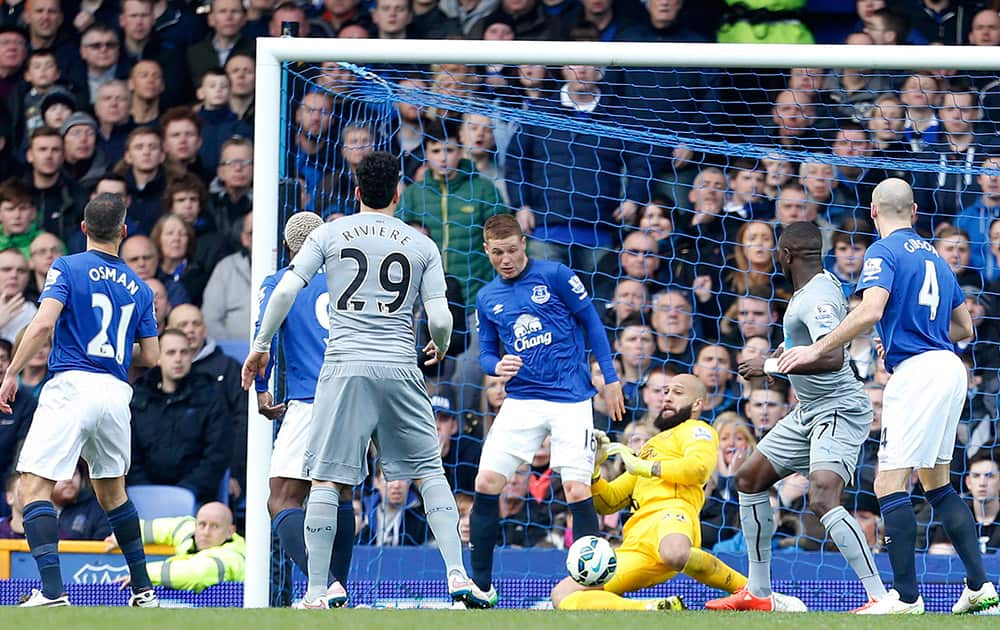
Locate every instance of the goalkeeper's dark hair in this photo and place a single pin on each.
(803, 239)
(104, 217)
(378, 177)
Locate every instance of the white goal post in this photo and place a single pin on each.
(271, 52)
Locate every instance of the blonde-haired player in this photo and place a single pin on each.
(664, 484)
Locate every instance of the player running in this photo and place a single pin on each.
(664, 484)
(909, 291)
(820, 437)
(369, 386)
(303, 338)
(536, 311)
(93, 307)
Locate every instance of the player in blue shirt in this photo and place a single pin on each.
(94, 308)
(531, 322)
(303, 338)
(909, 291)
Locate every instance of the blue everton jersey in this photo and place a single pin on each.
(922, 290)
(532, 316)
(106, 308)
(303, 334)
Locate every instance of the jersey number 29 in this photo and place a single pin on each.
(400, 288)
(929, 295)
(100, 345)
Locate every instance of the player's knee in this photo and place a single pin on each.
(746, 480)
(562, 590)
(489, 482)
(675, 556)
(824, 492)
(576, 491)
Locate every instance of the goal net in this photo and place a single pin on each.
(663, 174)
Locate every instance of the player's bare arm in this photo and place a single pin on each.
(961, 324)
(861, 319)
(148, 352)
(38, 332)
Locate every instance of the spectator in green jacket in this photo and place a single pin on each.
(453, 201)
(207, 549)
(17, 217)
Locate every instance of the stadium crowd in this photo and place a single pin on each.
(154, 100)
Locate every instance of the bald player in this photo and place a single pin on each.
(909, 291)
(820, 438)
(664, 485)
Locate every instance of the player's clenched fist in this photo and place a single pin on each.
(509, 365)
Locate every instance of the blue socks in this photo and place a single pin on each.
(585, 522)
(901, 540)
(959, 524)
(125, 521)
(41, 528)
(290, 526)
(484, 529)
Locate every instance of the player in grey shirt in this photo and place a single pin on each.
(370, 387)
(820, 438)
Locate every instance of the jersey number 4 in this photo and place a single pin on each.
(397, 287)
(929, 295)
(100, 345)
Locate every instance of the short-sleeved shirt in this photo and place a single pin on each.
(376, 268)
(533, 316)
(813, 312)
(106, 308)
(922, 290)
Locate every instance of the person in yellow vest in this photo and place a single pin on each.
(207, 549)
(664, 484)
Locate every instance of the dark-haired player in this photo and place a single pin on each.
(94, 308)
(820, 438)
(532, 317)
(377, 267)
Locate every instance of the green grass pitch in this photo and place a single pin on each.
(285, 619)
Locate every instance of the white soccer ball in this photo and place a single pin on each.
(591, 561)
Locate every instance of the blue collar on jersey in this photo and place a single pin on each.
(104, 254)
(518, 276)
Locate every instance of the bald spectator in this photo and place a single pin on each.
(83, 162)
(147, 87)
(44, 249)
(226, 18)
(139, 253)
(15, 310)
(210, 360)
(227, 296)
(181, 429)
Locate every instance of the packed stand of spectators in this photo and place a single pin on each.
(154, 100)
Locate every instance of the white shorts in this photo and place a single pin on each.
(288, 456)
(521, 426)
(921, 407)
(80, 414)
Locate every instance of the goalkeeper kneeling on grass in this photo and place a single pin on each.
(207, 549)
(664, 484)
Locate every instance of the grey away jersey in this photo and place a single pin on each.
(376, 268)
(814, 311)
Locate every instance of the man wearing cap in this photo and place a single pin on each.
(83, 162)
(459, 450)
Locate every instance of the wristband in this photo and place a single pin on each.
(771, 366)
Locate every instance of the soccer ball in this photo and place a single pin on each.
(591, 561)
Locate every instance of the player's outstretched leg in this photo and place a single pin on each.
(442, 516)
(568, 595)
(320, 530)
(958, 522)
(124, 521)
(41, 528)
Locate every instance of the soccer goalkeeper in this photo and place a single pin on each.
(664, 486)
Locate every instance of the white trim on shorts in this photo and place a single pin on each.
(521, 426)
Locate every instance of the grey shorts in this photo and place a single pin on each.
(358, 402)
(824, 439)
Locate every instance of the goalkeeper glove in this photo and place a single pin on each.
(601, 456)
(633, 463)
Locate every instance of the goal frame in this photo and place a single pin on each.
(273, 51)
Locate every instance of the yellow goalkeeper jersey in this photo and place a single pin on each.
(687, 454)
